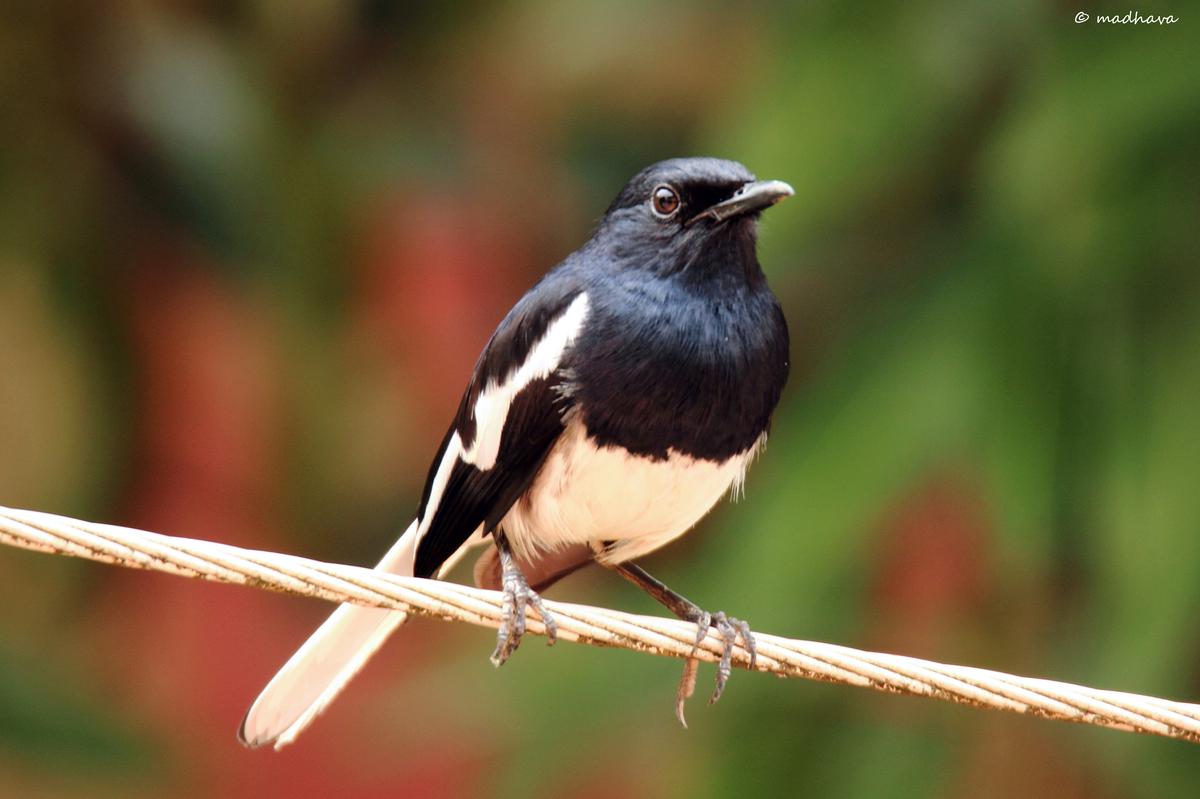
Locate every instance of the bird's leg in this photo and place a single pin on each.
(729, 628)
(517, 596)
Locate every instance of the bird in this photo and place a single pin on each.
(615, 404)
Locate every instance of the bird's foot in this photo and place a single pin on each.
(518, 596)
(729, 629)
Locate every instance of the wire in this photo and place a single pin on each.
(784, 657)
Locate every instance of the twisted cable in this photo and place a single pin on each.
(207, 560)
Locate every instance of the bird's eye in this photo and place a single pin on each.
(664, 200)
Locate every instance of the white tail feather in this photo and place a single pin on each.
(320, 669)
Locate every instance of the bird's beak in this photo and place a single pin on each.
(752, 197)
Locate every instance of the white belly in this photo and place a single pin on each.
(585, 494)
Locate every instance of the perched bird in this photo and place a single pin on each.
(615, 404)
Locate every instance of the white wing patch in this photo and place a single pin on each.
(491, 407)
(438, 486)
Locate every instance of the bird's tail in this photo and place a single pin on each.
(320, 669)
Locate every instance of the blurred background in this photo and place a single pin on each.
(250, 251)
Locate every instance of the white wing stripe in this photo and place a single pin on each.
(491, 408)
(438, 486)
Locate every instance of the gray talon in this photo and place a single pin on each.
(547, 620)
(730, 629)
(517, 597)
(702, 621)
(747, 640)
(725, 666)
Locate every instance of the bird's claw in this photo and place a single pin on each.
(687, 686)
(517, 597)
(703, 620)
(730, 629)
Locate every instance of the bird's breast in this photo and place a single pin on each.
(696, 375)
(622, 504)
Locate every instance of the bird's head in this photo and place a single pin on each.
(692, 215)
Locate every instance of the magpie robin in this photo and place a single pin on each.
(615, 404)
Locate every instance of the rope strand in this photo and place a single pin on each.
(207, 560)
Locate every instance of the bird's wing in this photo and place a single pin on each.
(509, 418)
